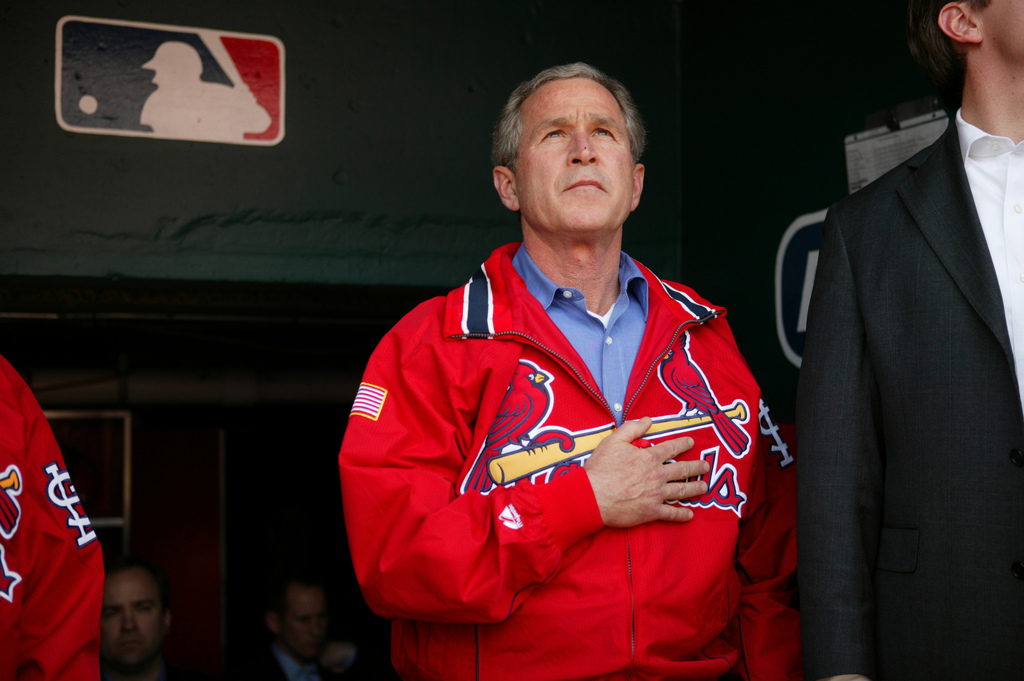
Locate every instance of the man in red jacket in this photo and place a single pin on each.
(564, 469)
(51, 568)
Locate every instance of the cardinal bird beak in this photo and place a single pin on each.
(539, 378)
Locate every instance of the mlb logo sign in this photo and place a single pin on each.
(169, 82)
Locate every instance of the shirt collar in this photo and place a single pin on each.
(162, 677)
(544, 290)
(976, 143)
(290, 667)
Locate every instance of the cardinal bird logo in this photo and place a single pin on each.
(10, 511)
(10, 515)
(686, 381)
(523, 409)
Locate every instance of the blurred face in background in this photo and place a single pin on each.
(301, 631)
(133, 622)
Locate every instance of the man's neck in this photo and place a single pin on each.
(150, 673)
(592, 268)
(994, 102)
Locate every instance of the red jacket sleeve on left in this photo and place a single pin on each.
(51, 567)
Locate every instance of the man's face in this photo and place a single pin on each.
(133, 623)
(302, 631)
(575, 173)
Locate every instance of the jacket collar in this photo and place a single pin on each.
(496, 301)
(938, 197)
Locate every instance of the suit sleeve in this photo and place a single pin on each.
(768, 627)
(838, 433)
(420, 549)
(53, 571)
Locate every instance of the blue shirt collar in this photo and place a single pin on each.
(290, 667)
(544, 290)
(162, 677)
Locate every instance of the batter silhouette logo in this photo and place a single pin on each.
(169, 82)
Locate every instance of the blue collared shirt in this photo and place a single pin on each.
(294, 671)
(608, 352)
(162, 677)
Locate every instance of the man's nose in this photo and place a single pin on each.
(129, 623)
(581, 149)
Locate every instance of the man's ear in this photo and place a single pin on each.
(505, 184)
(959, 21)
(638, 185)
(273, 622)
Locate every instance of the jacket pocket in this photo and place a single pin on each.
(897, 549)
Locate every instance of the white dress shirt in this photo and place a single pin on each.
(995, 172)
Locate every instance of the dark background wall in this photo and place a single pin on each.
(240, 289)
(769, 93)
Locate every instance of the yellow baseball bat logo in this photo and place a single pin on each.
(520, 464)
(12, 481)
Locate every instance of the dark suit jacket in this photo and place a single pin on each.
(909, 427)
(263, 666)
(179, 674)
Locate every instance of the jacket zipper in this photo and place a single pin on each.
(629, 554)
(601, 398)
(650, 369)
(632, 610)
(596, 393)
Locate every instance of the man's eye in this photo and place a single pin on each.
(555, 133)
(602, 131)
(108, 612)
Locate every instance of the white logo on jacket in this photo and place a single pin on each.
(510, 518)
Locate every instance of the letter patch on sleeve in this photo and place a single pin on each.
(62, 494)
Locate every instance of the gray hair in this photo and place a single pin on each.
(508, 131)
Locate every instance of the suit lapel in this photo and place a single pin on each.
(939, 199)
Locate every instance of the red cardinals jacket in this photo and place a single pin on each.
(473, 524)
(51, 568)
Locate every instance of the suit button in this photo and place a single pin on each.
(1017, 457)
(1018, 570)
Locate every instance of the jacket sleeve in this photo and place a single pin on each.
(50, 615)
(768, 628)
(420, 549)
(838, 427)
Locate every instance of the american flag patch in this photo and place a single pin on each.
(369, 401)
